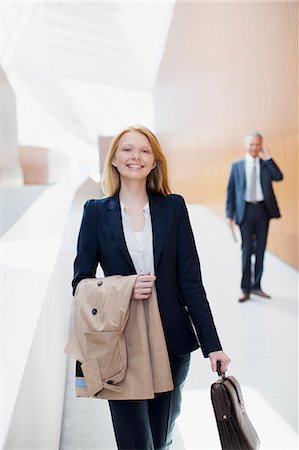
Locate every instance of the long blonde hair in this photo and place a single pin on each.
(157, 180)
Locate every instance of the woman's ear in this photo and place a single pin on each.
(154, 165)
(113, 162)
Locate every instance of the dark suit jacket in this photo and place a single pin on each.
(235, 198)
(183, 305)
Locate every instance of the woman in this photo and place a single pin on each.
(142, 228)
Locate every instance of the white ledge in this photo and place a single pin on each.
(29, 251)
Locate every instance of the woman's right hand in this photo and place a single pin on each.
(143, 287)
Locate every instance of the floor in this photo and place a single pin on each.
(260, 336)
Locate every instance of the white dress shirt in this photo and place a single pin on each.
(139, 243)
(249, 161)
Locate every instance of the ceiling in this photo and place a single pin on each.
(88, 66)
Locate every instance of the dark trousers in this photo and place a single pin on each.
(254, 231)
(148, 424)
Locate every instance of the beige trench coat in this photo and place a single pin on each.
(119, 341)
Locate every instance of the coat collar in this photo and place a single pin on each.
(243, 164)
(243, 174)
(113, 203)
(115, 224)
(158, 224)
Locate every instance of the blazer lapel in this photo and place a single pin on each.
(262, 178)
(262, 166)
(158, 225)
(242, 175)
(115, 224)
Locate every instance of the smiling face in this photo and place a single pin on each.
(134, 158)
(254, 145)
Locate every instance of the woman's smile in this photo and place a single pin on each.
(135, 166)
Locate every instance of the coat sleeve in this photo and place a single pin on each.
(230, 195)
(86, 262)
(190, 283)
(274, 170)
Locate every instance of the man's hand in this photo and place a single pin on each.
(219, 356)
(265, 152)
(231, 224)
(143, 287)
(230, 221)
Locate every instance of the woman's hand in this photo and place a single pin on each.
(219, 356)
(143, 287)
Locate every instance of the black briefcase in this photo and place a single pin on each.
(235, 429)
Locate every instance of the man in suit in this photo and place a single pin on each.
(251, 203)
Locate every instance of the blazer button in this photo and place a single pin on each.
(110, 382)
(99, 283)
(94, 311)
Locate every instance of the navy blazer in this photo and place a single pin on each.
(184, 309)
(236, 189)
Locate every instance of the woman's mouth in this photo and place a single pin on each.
(135, 166)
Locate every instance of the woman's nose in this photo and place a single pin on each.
(136, 155)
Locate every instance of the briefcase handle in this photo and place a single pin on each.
(228, 379)
(220, 374)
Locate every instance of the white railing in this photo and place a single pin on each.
(36, 269)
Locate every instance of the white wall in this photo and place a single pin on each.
(38, 254)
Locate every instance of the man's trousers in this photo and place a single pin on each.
(254, 231)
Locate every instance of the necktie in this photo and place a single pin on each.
(253, 183)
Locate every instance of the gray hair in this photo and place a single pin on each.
(251, 134)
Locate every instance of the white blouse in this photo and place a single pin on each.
(139, 243)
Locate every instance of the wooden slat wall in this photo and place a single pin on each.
(229, 68)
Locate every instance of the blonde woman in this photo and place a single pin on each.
(141, 228)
